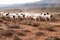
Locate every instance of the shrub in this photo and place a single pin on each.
(26, 31)
(40, 28)
(17, 38)
(20, 34)
(1, 31)
(26, 22)
(39, 34)
(14, 26)
(52, 38)
(6, 22)
(49, 28)
(1, 20)
(35, 24)
(8, 33)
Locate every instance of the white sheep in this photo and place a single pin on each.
(12, 14)
(20, 15)
(46, 16)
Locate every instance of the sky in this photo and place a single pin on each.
(17, 1)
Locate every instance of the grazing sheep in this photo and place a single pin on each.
(37, 16)
(7, 14)
(32, 16)
(4, 14)
(13, 16)
(21, 16)
(47, 16)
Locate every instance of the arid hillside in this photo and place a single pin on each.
(48, 9)
(33, 9)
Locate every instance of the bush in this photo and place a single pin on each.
(14, 26)
(49, 28)
(20, 34)
(26, 31)
(1, 31)
(6, 22)
(26, 22)
(40, 28)
(17, 38)
(52, 38)
(39, 34)
(35, 24)
(8, 33)
(1, 20)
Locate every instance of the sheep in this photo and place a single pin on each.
(15, 16)
(12, 16)
(28, 15)
(35, 16)
(32, 16)
(20, 16)
(46, 16)
(4, 14)
(7, 14)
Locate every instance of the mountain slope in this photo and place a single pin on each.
(43, 3)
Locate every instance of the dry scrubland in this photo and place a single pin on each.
(33, 9)
(29, 29)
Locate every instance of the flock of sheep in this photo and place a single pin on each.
(27, 15)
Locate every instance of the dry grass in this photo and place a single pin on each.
(16, 38)
(1, 20)
(26, 22)
(1, 31)
(52, 38)
(49, 28)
